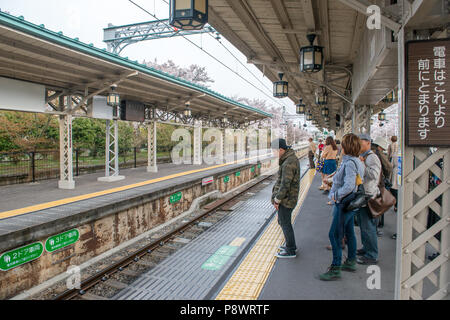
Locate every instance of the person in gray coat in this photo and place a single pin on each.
(368, 255)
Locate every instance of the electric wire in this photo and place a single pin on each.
(209, 54)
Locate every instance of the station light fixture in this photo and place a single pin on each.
(113, 98)
(321, 96)
(301, 107)
(391, 97)
(309, 117)
(187, 111)
(281, 88)
(311, 57)
(225, 120)
(325, 112)
(382, 116)
(188, 14)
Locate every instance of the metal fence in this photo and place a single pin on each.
(33, 166)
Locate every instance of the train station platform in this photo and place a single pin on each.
(261, 276)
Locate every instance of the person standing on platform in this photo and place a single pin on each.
(311, 153)
(285, 194)
(330, 164)
(368, 225)
(345, 182)
(321, 146)
(393, 158)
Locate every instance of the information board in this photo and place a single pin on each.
(427, 93)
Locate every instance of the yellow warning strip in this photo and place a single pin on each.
(249, 279)
(52, 204)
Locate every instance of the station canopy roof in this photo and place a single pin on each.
(270, 34)
(33, 53)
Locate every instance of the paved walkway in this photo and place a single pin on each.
(297, 279)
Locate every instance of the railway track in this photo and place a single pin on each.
(131, 263)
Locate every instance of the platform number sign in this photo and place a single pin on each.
(259, 165)
(226, 179)
(62, 240)
(176, 197)
(17, 257)
(252, 170)
(238, 174)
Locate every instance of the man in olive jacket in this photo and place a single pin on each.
(285, 194)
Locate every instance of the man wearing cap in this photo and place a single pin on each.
(369, 252)
(285, 194)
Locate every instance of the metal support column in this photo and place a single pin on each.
(66, 150)
(152, 148)
(112, 153)
(198, 143)
(354, 119)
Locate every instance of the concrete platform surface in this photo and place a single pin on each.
(297, 279)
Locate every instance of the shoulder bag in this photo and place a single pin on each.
(383, 202)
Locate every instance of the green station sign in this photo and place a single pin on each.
(176, 197)
(226, 179)
(252, 170)
(238, 174)
(62, 240)
(20, 256)
(259, 165)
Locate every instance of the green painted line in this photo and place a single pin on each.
(219, 259)
(62, 240)
(17, 257)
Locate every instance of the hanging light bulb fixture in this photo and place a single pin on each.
(325, 112)
(188, 14)
(321, 96)
(301, 107)
(311, 57)
(187, 111)
(309, 116)
(280, 88)
(113, 98)
(382, 117)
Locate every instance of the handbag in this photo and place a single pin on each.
(383, 202)
(319, 165)
(355, 200)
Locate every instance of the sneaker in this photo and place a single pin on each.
(366, 261)
(360, 252)
(394, 237)
(349, 266)
(333, 273)
(380, 233)
(285, 255)
(283, 248)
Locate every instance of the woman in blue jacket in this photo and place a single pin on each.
(344, 183)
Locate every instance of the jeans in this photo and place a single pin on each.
(369, 238)
(285, 222)
(312, 165)
(336, 236)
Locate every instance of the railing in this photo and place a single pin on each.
(33, 166)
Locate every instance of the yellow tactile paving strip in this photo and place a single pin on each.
(249, 279)
(43, 206)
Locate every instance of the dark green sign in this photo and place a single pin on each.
(176, 197)
(62, 240)
(226, 179)
(259, 165)
(253, 170)
(238, 174)
(20, 256)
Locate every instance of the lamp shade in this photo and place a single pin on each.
(281, 88)
(188, 14)
(311, 57)
(382, 116)
(301, 107)
(113, 99)
(321, 96)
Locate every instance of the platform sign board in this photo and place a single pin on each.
(238, 174)
(176, 197)
(22, 96)
(21, 256)
(99, 109)
(226, 179)
(62, 240)
(207, 181)
(132, 111)
(428, 93)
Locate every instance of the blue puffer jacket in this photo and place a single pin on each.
(344, 182)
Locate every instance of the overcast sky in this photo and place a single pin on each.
(86, 19)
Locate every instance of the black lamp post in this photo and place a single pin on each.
(281, 88)
(311, 57)
(188, 14)
(301, 107)
(321, 96)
